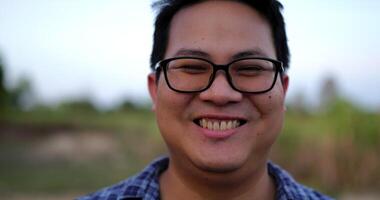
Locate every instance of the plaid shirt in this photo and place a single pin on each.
(145, 186)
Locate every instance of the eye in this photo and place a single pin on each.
(249, 70)
(192, 68)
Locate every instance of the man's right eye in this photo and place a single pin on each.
(192, 69)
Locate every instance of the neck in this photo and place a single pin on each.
(182, 183)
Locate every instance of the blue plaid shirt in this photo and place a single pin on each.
(145, 186)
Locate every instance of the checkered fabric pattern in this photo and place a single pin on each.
(145, 186)
(289, 189)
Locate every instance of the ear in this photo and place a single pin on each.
(285, 84)
(152, 86)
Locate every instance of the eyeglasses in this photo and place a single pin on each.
(246, 75)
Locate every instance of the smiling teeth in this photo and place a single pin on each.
(219, 125)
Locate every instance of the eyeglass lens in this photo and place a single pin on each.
(247, 75)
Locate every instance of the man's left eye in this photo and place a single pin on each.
(252, 69)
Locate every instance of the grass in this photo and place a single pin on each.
(335, 150)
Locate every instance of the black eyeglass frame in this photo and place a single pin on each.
(164, 63)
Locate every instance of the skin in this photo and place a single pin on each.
(233, 167)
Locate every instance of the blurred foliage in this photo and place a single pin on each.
(334, 148)
(73, 149)
(76, 148)
(3, 91)
(18, 97)
(77, 105)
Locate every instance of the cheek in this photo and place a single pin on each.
(170, 104)
(271, 108)
(171, 99)
(269, 103)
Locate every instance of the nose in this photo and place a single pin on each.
(220, 91)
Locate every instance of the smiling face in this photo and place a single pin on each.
(220, 129)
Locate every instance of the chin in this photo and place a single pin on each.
(219, 166)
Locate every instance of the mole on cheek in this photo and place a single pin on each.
(270, 97)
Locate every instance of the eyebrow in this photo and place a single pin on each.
(202, 54)
(192, 52)
(249, 53)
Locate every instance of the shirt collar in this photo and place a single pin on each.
(146, 184)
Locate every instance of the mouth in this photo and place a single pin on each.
(219, 124)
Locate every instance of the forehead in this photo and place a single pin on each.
(219, 27)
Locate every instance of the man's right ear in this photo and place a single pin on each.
(152, 86)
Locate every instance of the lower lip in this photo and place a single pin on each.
(217, 134)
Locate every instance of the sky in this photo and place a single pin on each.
(100, 49)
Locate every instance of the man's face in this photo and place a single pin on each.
(219, 31)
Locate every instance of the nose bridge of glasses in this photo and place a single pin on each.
(221, 67)
(224, 68)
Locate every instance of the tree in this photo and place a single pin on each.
(21, 96)
(4, 94)
(329, 93)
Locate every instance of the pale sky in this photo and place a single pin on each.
(101, 48)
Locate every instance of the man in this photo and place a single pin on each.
(218, 91)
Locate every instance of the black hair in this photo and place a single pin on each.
(269, 9)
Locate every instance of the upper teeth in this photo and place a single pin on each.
(219, 125)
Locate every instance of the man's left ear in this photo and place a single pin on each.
(152, 86)
(285, 83)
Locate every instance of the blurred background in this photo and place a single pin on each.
(74, 107)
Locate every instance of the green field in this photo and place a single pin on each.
(73, 151)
